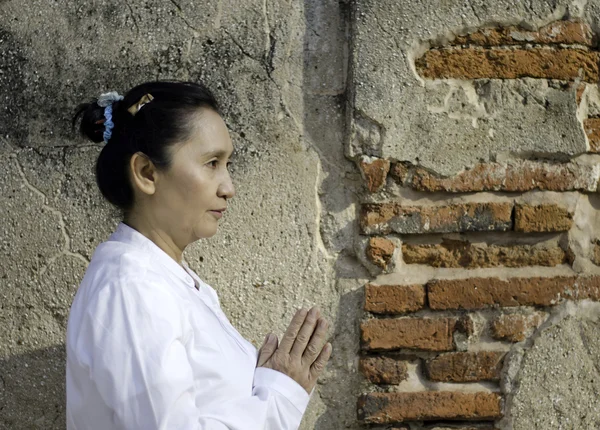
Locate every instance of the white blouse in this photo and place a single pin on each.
(147, 350)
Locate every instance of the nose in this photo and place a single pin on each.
(226, 188)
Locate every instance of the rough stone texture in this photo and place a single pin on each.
(394, 217)
(380, 251)
(478, 63)
(468, 121)
(515, 327)
(456, 253)
(430, 334)
(560, 32)
(394, 299)
(465, 366)
(385, 408)
(560, 378)
(383, 370)
(38, 282)
(374, 172)
(542, 218)
(479, 293)
(516, 176)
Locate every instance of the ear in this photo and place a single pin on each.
(143, 173)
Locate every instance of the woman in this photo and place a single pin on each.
(148, 346)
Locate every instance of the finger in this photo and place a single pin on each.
(305, 332)
(315, 345)
(267, 350)
(292, 331)
(321, 361)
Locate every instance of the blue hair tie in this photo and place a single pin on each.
(106, 101)
(108, 124)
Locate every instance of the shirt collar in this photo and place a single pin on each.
(126, 234)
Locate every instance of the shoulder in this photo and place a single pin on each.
(121, 277)
(124, 298)
(117, 264)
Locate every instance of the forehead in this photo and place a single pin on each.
(209, 134)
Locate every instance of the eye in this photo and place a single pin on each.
(213, 163)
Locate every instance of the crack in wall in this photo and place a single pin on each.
(513, 363)
(133, 18)
(67, 246)
(266, 24)
(242, 49)
(181, 15)
(472, 6)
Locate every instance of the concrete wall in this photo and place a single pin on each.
(443, 153)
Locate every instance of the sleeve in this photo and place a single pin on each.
(143, 374)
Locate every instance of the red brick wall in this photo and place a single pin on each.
(425, 331)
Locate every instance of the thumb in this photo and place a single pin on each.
(268, 348)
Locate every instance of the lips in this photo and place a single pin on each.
(217, 212)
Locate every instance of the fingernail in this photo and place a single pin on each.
(267, 338)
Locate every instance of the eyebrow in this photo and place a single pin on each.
(217, 153)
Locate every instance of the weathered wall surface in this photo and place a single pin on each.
(474, 125)
(431, 171)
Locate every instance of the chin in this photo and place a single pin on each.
(205, 233)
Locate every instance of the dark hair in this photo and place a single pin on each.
(159, 124)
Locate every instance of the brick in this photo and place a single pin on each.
(518, 176)
(394, 299)
(542, 218)
(465, 366)
(559, 32)
(374, 171)
(380, 251)
(480, 293)
(592, 130)
(514, 327)
(456, 253)
(429, 334)
(482, 63)
(400, 172)
(383, 370)
(596, 254)
(384, 218)
(387, 408)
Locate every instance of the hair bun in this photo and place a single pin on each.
(92, 121)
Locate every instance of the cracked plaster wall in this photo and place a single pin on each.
(278, 246)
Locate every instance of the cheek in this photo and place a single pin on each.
(193, 187)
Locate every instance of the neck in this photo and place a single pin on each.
(157, 234)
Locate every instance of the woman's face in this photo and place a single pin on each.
(194, 191)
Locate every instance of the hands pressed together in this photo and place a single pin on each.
(303, 352)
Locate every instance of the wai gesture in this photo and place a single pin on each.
(302, 353)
